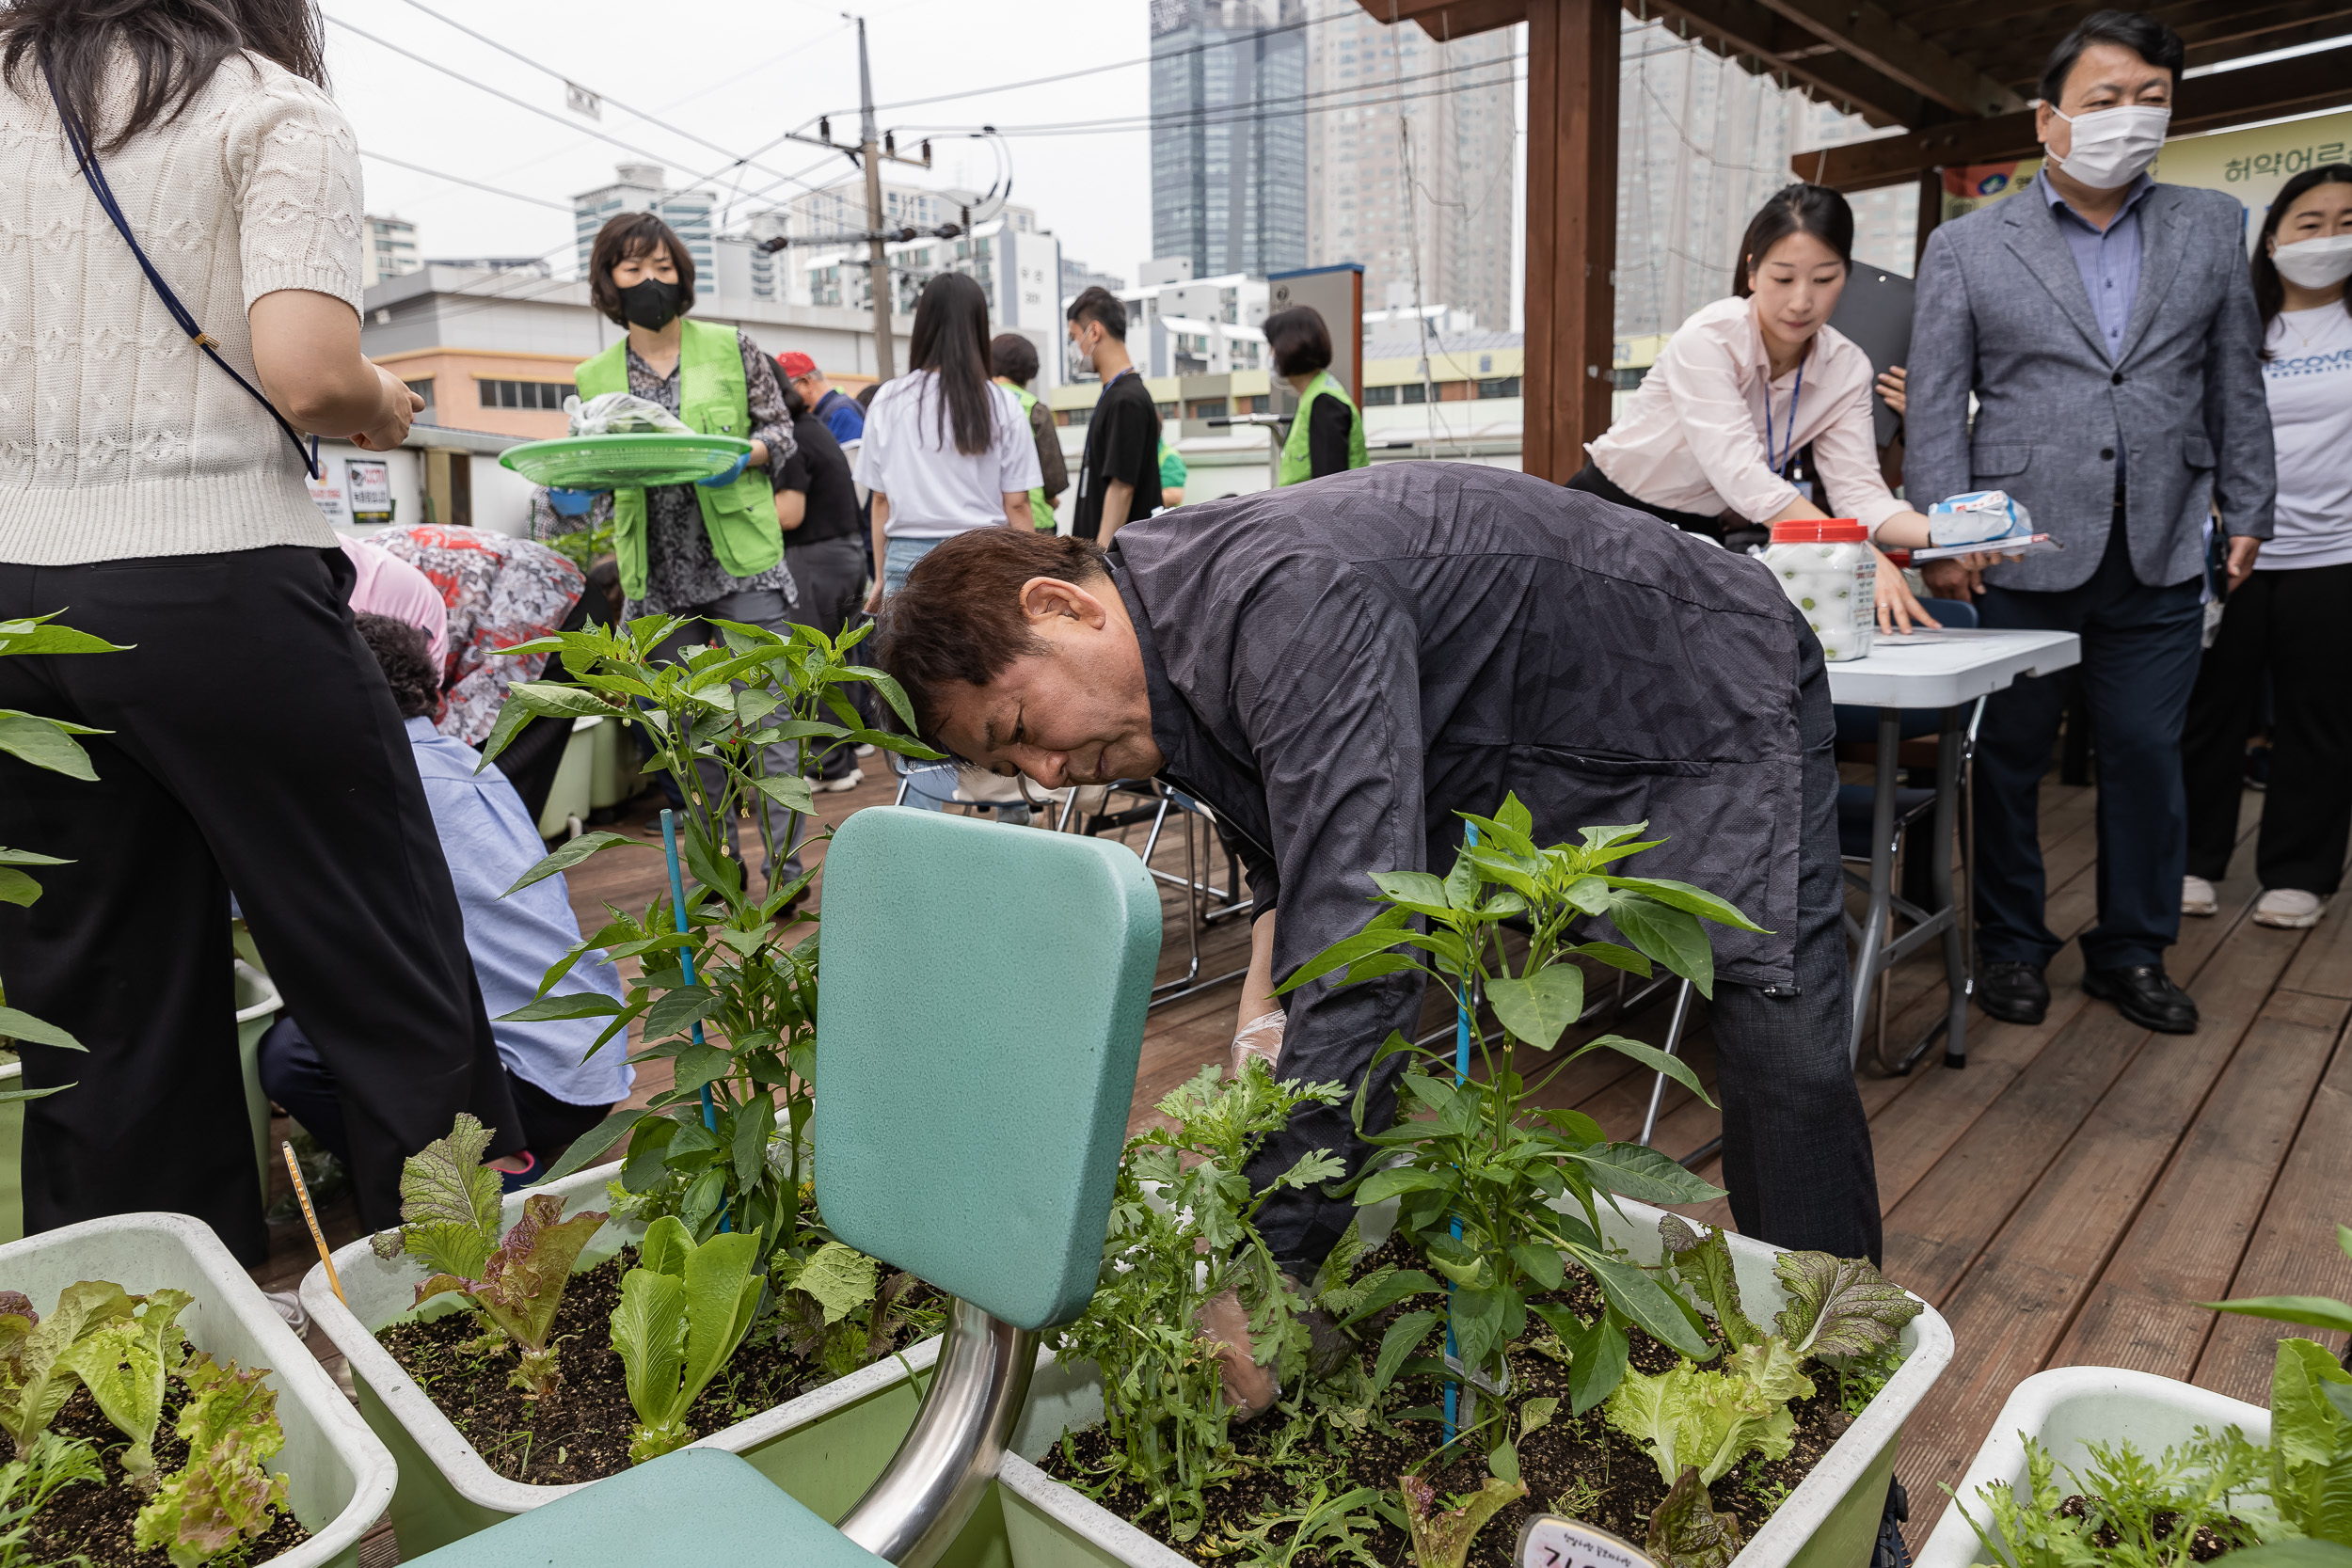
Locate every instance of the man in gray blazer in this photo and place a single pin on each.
(2108, 329)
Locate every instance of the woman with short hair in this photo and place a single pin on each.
(151, 492)
(708, 551)
(1327, 435)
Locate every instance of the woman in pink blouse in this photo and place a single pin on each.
(1750, 382)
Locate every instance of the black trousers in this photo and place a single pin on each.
(2140, 650)
(1590, 480)
(293, 1075)
(252, 743)
(2283, 623)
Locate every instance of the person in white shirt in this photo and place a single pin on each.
(945, 450)
(1750, 382)
(2283, 618)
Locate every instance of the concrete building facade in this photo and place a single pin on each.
(391, 249)
(644, 189)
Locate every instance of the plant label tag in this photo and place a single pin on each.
(1549, 1541)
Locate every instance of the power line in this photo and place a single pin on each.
(737, 159)
(461, 180)
(1236, 41)
(523, 103)
(1260, 111)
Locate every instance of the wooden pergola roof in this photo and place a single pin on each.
(1959, 75)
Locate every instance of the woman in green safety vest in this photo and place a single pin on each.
(706, 552)
(1327, 435)
(1012, 365)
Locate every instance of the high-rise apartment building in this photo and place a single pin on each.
(1701, 144)
(391, 249)
(1409, 156)
(642, 188)
(1228, 144)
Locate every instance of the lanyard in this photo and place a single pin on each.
(1788, 450)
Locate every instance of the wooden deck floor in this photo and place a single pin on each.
(2065, 1199)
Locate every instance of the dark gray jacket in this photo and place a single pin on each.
(1337, 668)
(2002, 313)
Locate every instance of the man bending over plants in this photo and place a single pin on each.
(1338, 667)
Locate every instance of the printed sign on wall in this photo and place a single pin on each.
(369, 481)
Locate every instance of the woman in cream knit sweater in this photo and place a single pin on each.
(248, 738)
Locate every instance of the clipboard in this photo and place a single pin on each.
(1875, 312)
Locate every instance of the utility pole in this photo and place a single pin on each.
(877, 269)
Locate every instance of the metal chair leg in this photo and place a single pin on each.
(1674, 1038)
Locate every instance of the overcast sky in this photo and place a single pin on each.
(738, 72)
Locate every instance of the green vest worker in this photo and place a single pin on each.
(1172, 476)
(706, 552)
(1327, 435)
(1013, 363)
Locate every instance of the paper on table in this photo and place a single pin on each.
(2035, 543)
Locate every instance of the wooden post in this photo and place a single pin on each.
(1571, 230)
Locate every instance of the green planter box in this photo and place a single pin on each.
(2068, 1408)
(1830, 1521)
(338, 1476)
(257, 1005)
(825, 1448)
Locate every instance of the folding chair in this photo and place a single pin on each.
(988, 1173)
(1205, 903)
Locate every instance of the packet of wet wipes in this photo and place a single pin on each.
(622, 414)
(1975, 517)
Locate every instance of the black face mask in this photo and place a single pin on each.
(652, 304)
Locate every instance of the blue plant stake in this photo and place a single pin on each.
(1461, 1071)
(686, 960)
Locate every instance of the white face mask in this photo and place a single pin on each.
(2114, 147)
(2315, 263)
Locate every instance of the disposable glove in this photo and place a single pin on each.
(571, 503)
(1261, 1036)
(718, 481)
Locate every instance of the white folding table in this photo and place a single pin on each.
(1949, 669)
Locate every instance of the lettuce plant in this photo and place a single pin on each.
(1477, 1152)
(755, 991)
(36, 1376)
(27, 1485)
(1685, 1532)
(1441, 1536)
(123, 1362)
(1706, 1417)
(1182, 1231)
(683, 1310)
(224, 1493)
(450, 1212)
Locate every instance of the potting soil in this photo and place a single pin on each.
(582, 1430)
(95, 1521)
(2206, 1544)
(1580, 1467)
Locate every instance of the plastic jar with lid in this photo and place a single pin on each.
(1828, 572)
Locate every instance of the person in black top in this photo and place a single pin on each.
(816, 507)
(1119, 477)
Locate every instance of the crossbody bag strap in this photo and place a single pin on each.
(78, 139)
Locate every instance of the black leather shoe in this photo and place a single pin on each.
(2146, 995)
(2014, 993)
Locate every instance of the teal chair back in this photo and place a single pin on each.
(979, 1017)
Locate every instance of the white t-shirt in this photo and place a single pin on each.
(2309, 382)
(909, 454)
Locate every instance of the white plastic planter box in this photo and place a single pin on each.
(1829, 1521)
(337, 1476)
(257, 1007)
(2068, 1408)
(825, 1448)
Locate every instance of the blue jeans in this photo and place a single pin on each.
(930, 786)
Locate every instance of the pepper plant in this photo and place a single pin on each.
(726, 1146)
(1479, 1155)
